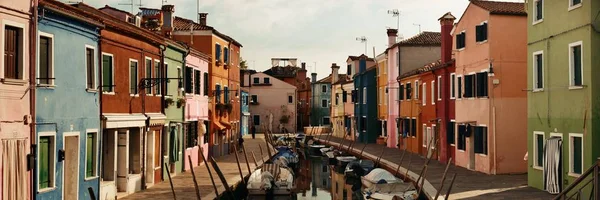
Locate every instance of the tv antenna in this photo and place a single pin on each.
(395, 13)
(132, 5)
(419, 25)
(363, 39)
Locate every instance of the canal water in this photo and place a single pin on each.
(314, 180)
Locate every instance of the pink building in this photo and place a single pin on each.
(403, 57)
(491, 68)
(197, 106)
(15, 97)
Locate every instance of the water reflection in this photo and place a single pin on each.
(314, 179)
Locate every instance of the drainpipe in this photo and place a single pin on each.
(100, 92)
(184, 147)
(32, 80)
(162, 106)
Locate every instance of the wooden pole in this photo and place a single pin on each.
(381, 155)
(222, 177)
(422, 181)
(450, 187)
(194, 178)
(246, 157)
(400, 164)
(209, 172)
(437, 194)
(408, 167)
(237, 160)
(362, 150)
(254, 158)
(170, 181)
(262, 156)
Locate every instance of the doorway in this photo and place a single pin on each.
(122, 141)
(553, 165)
(150, 158)
(71, 166)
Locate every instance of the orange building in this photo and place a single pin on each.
(410, 110)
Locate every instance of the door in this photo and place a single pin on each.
(553, 165)
(122, 160)
(71, 167)
(150, 158)
(157, 156)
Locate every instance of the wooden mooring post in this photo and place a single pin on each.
(170, 181)
(262, 156)
(437, 194)
(194, 177)
(450, 187)
(254, 158)
(246, 157)
(237, 160)
(222, 177)
(212, 180)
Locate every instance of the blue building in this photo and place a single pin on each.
(67, 104)
(365, 106)
(245, 113)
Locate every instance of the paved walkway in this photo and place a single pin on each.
(468, 184)
(184, 184)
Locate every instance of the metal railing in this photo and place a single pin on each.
(576, 189)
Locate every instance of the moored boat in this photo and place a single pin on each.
(271, 180)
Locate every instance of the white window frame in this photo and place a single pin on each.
(323, 120)
(462, 85)
(288, 98)
(54, 158)
(156, 75)
(326, 103)
(181, 73)
(53, 69)
(146, 59)
(424, 91)
(364, 95)
(439, 88)
(536, 21)
(535, 88)
(129, 77)
(24, 49)
(112, 61)
(571, 69)
(416, 95)
(465, 32)
(432, 136)
(452, 85)
(573, 7)
(432, 92)
(94, 73)
(424, 139)
(96, 152)
(571, 136)
(323, 86)
(535, 147)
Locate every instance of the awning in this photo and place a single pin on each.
(115, 120)
(226, 124)
(156, 118)
(246, 113)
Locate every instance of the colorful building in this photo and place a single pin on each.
(491, 73)
(341, 111)
(132, 115)
(365, 108)
(561, 117)
(67, 68)
(245, 98)
(321, 101)
(17, 97)
(410, 101)
(403, 57)
(382, 99)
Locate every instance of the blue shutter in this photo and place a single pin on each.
(225, 55)
(218, 51)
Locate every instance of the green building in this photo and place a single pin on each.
(563, 41)
(321, 101)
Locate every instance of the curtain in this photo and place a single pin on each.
(552, 165)
(14, 171)
(174, 145)
(293, 62)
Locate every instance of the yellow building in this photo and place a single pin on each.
(382, 99)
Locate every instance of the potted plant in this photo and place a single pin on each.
(220, 107)
(169, 102)
(219, 63)
(229, 108)
(180, 102)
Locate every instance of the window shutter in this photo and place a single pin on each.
(188, 80)
(577, 65)
(44, 162)
(401, 92)
(484, 33)
(478, 33)
(225, 55)
(205, 84)
(539, 71)
(196, 82)
(89, 170)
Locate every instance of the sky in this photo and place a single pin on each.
(318, 32)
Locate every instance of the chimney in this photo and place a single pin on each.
(447, 23)
(301, 74)
(304, 66)
(362, 63)
(202, 18)
(167, 14)
(334, 72)
(392, 35)
(313, 77)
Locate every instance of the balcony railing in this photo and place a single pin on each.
(576, 189)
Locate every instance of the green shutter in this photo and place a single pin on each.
(89, 162)
(577, 65)
(539, 150)
(577, 150)
(44, 162)
(107, 81)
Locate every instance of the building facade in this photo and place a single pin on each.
(560, 82)
(271, 112)
(245, 112)
(382, 99)
(410, 101)
(491, 66)
(342, 111)
(180, 84)
(365, 107)
(321, 101)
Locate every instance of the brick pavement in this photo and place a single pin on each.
(468, 184)
(184, 184)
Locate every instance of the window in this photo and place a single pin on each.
(439, 88)
(459, 88)
(432, 92)
(158, 74)
(337, 99)
(462, 132)
(225, 55)
(469, 85)
(354, 97)
(460, 40)
(256, 120)
(538, 70)
(344, 96)
(538, 11)
(401, 92)
(217, 52)
(266, 80)
(363, 122)
(408, 91)
(255, 80)
(482, 84)
(575, 64)
(218, 93)
(205, 83)
(324, 88)
(148, 73)
(13, 52)
(226, 94)
(481, 32)
(180, 78)
(90, 68)
(450, 132)
(538, 149)
(413, 129)
(108, 80)
(206, 132)
(324, 103)
(189, 80)
(192, 134)
(290, 99)
(166, 76)
(452, 85)
(254, 99)
(575, 153)
(46, 160)
(196, 82)
(133, 77)
(574, 4)
(349, 70)
(385, 97)
(426, 131)
(326, 121)
(424, 92)
(416, 89)
(480, 138)
(364, 95)
(46, 59)
(91, 155)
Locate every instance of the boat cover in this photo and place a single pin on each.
(263, 178)
(379, 176)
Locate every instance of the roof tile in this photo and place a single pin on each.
(504, 8)
(425, 38)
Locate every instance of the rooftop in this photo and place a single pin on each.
(425, 38)
(503, 8)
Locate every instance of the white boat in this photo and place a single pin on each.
(382, 181)
(408, 195)
(270, 177)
